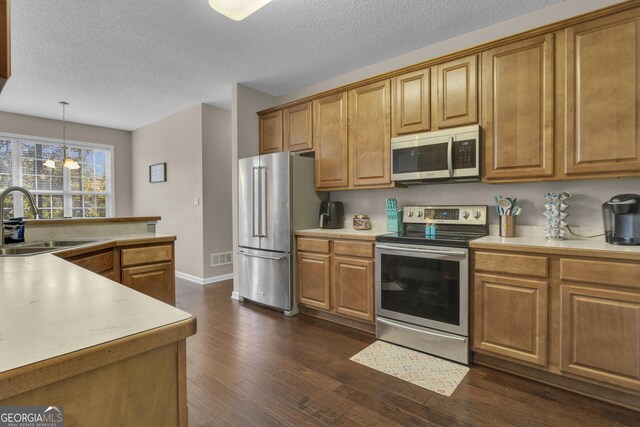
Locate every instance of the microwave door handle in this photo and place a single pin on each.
(450, 157)
(255, 220)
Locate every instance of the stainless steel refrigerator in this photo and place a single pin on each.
(276, 195)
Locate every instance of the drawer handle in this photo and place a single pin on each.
(399, 325)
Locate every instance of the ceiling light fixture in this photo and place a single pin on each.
(68, 163)
(237, 9)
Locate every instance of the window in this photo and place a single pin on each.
(59, 192)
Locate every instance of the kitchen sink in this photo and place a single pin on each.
(57, 243)
(33, 248)
(15, 251)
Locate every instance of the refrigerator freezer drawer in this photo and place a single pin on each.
(265, 277)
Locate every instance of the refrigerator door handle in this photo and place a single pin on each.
(261, 256)
(263, 201)
(255, 212)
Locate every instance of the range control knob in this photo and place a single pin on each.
(419, 214)
(410, 213)
(475, 214)
(465, 214)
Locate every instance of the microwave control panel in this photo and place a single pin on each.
(464, 154)
(468, 215)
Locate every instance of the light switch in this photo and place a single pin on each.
(196, 201)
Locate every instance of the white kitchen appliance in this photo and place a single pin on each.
(276, 195)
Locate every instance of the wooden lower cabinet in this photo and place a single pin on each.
(575, 324)
(148, 268)
(314, 286)
(353, 279)
(336, 277)
(511, 317)
(155, 280)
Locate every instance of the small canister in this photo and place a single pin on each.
(361, 222)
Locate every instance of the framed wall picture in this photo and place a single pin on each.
(158, 172)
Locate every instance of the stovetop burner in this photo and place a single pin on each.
(456, 226)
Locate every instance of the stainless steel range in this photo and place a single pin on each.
(422, 284)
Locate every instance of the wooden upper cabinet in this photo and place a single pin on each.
(5, 42)
(330, 139)
(458, 92)
(271, 132)
(298, 127)
(370, 134)
(518, 109)
(411, 110)
(603, 96)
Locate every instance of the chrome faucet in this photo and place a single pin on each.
(23, 190)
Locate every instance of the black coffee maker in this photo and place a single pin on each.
(621, 218)
(331, 215)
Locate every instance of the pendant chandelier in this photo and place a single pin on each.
(68, 163)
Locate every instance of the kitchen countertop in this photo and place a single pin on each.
(50, 307)
(58, 221)
(343, 233)
(594, 247)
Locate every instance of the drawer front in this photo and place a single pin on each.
(146, 255)
(524, 265)
(313, 245)
(600, 272)
(362, 249)
(97, 263)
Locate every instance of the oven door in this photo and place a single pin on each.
(423, 285)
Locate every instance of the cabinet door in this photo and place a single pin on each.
(603, 96)
(510, 317)
(370, 134)
(517, 116)
(601, 335)
(458, 92)
(298, 128)
(412, 102)
(353, 284)
(330, 139)
(271, 132)
(313, 277)
(155, 280)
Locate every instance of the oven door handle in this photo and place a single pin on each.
(422, 251)
(404, 326)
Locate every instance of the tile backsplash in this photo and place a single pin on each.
(584, 210)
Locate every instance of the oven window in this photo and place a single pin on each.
(424, 158)
(420, 287)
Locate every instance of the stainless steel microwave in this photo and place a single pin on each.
(444, 155)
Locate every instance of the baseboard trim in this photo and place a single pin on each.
(204, 281)
(235, 295)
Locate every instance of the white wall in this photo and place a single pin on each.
(176, 140)
(216, 168)
(245, 102)
(120, 140)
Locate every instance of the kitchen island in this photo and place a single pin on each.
(72, 338)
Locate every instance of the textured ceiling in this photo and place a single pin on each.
(125, 64)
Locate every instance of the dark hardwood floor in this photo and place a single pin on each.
(248, 365)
